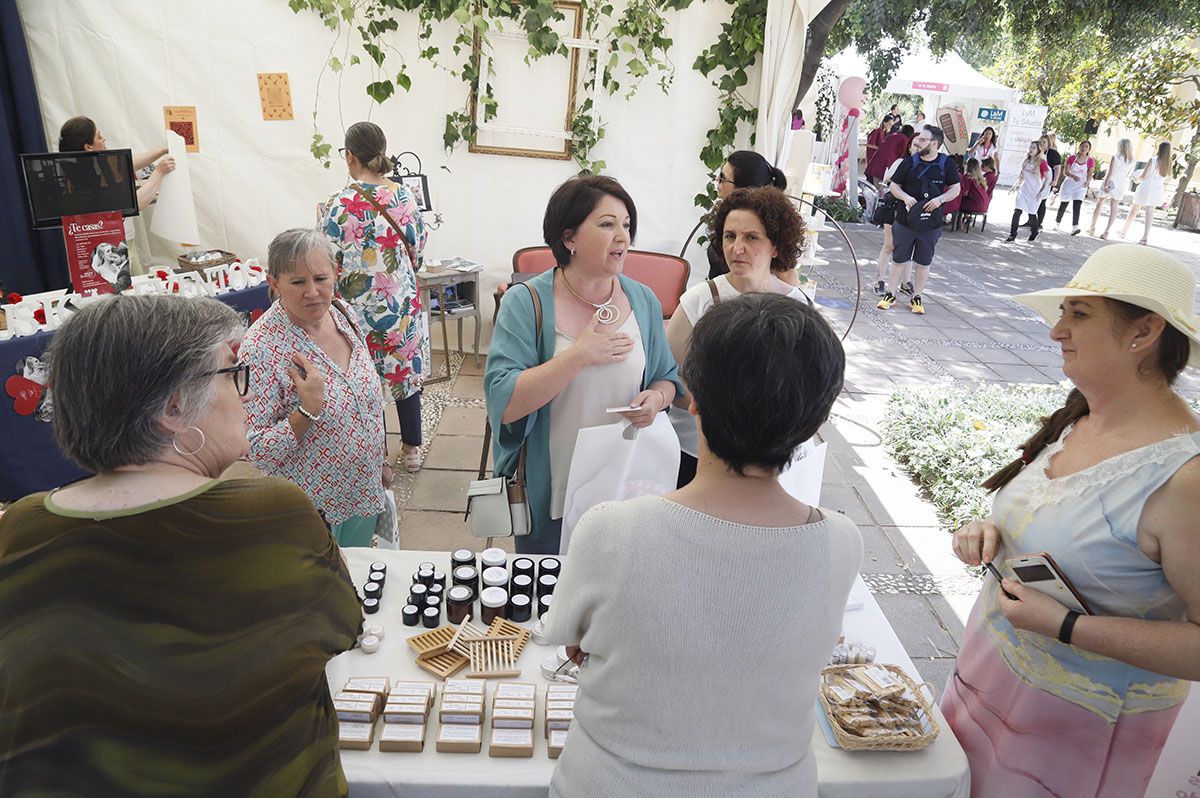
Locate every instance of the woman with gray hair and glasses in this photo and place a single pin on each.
(317, 414)
(140, 645)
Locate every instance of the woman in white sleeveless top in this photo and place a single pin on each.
(1115, 186)
(1150, 188)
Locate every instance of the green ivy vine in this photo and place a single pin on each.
(638, 48)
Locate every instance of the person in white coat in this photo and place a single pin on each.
(1114, 188)
(1032, 185)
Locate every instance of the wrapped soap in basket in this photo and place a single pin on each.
(877, 707)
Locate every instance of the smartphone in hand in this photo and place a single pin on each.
(999, 579)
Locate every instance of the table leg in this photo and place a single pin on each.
(441, 292)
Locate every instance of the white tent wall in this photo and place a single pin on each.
(120, 61)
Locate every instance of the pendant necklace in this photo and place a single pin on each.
(606, 311)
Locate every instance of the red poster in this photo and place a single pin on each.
(96, 252)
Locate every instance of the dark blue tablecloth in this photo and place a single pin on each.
(30, 460)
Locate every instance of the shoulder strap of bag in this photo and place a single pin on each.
(408, 249)
(341, 308)
(712, 288)
(519, 477)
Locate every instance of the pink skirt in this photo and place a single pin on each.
(1024, 742)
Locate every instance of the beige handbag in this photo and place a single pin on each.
(499, 507)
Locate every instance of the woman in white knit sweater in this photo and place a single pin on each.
(706, 615)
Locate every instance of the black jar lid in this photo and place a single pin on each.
(378, 566)
(549, 565)
(435, 590)
(433, 601)
(371, 606)
(430, 617)
(372, 590)
(460, 594)
(523, 583)
(411, 614)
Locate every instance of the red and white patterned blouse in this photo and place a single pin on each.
(339, 461)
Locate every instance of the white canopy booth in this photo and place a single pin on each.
(957, 97)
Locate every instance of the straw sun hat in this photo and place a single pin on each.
(1139, 275)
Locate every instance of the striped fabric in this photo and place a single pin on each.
(176, 650)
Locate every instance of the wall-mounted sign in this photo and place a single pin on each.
(940, 88)
(992, 114)
(275, 94)
(182, 119)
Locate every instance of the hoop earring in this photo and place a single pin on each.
(175, 443)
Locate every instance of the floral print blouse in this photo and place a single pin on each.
(378, 280)
(339, 461)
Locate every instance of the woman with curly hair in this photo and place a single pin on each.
(760, 233)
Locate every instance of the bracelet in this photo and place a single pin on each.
(663, 395)
(313, 419)
(1068, 626)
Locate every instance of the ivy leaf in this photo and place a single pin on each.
(376, 54)
(355, 60)
(404, 81)
(380, 90)
(335, 64)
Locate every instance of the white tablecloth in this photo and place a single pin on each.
(939, 770)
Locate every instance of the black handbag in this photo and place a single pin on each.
(885, 209)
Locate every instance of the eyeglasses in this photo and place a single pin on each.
(241, 376)
(722, 179)
(342, 151)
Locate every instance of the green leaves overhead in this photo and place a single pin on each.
(638, 48)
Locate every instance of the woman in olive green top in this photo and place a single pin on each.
(163, 633)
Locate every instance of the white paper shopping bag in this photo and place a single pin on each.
(619, 461)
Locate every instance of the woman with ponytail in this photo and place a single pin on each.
(377, 225)
(1045, 701)
(743, 169)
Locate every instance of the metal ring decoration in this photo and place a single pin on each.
(396, 166)
(849, 246)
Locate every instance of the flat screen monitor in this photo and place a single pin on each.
(59, 184)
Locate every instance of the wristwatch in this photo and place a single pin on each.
(308, 415)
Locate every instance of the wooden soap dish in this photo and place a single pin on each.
(492, 654)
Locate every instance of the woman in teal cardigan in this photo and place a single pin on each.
(602, 345)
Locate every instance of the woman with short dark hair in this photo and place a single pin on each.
(761, 233)
(662, 594)
(742, 169)
(601, 345)
(162, 629)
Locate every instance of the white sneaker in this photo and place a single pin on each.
(1076, 231)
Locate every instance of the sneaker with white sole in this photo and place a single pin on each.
(888, 300)
(1077, 231)
(906, 288)
(916, 306)
(880, 288)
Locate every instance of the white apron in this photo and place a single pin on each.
(1075, 184)
(1029, 195)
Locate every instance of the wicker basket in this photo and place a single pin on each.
(226, 258)
(852, 742)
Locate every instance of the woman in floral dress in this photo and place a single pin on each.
(378, 274)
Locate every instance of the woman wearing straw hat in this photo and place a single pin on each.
(1043, 700)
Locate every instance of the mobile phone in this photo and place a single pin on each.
(625, 409)
(999, 578)
(1040, 572)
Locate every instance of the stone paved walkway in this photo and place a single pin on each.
(971, 333)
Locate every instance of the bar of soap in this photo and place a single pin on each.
(404, 713)
(355, 711)
(357, 736)
(401, 737)
(367, 684)
(511, 743)
(512, 718)
(555, 745)
(516, 690)
(459, 739)
(464, 686)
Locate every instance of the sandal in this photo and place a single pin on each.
(411, 460)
